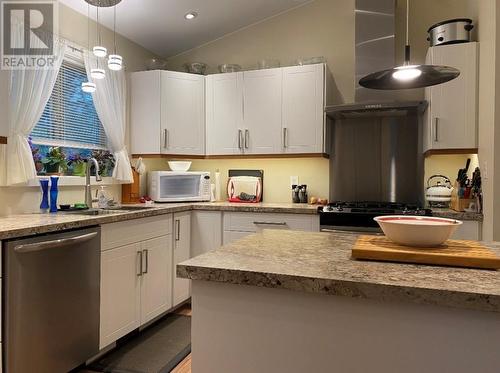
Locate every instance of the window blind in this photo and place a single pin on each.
(70, 119)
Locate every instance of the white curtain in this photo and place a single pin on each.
(29, 91)
(110, 104)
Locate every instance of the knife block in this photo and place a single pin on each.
(457, 203)
(131, 193)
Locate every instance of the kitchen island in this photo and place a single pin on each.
(285, 301)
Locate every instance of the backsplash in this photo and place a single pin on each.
(19, 200)
(448, 165)
(311, 171)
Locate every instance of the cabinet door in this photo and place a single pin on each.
(452, 123)
(262, 111)
(156, 286)
(182, 252)
(182, 113)
(224, 113)
(145, 112)
(303, 109)
(230, 236)
(206, 231)
(120, 293)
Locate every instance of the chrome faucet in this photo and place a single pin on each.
(88, 188)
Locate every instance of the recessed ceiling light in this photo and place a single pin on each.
(191, 15)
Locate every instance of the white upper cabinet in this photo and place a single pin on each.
(451, 119)
(303, 109)
(262, 95)
(167, 113)
(145, 115)
(269, 111)
(182, 113)
(224, 113)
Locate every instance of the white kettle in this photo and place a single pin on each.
(439, 194)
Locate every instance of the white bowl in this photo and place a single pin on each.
(419, 231)
(179, 166)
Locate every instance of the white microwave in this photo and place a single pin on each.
(173, 186)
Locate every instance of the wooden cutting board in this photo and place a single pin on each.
(457, 253)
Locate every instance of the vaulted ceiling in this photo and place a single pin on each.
(160, 26)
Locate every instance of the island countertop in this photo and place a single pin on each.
(321, 263)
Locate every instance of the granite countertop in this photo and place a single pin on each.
(321, 263)
(13, 226)
(452, 214)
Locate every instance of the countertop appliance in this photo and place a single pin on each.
(52, 296)
(358, 216)
(173, 186)
(439, 194)
(450, 31)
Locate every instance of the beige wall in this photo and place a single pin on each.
(320, 28)
(311, 171)
(73, 27)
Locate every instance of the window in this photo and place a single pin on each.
(69, 130)
(70, 119)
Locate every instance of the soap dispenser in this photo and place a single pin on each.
(102, 200)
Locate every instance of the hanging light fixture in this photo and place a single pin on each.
(115, 61)
(88, 87)
(409, 76)
(99, 50)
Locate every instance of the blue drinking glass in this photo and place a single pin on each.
(44, 186)
(53, 193)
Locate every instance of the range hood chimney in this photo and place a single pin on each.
(375, 44)
(375, 51)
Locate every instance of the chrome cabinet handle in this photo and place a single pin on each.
(269, 223)
(146, 254)
(436, 126)
(139, 274)
(285, 130)
(247, 133)
(165, 138)
(177, 230)
(54, 244)
(239, 139)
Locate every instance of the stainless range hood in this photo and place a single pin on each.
(376, 109)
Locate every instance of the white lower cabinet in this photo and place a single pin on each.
(237, 225)
(206, 231)
(136, 277)
(120, 293)
(156, 277)
(469, 230)
(182, 252)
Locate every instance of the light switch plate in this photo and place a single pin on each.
(294, 180)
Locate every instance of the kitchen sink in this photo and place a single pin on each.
(127, 208)
(92, 212)
(106, 211)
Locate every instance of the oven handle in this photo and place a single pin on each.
(355, 230)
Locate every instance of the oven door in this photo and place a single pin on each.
(177, 188)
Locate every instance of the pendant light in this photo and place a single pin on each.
(88, 87)
(98, 73)
(409, 76)
(115, 61)
(99, 50)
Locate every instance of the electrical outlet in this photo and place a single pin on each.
(294, 180)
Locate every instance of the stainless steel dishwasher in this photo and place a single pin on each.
(51, 302)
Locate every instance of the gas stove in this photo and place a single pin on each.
(358, 216)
